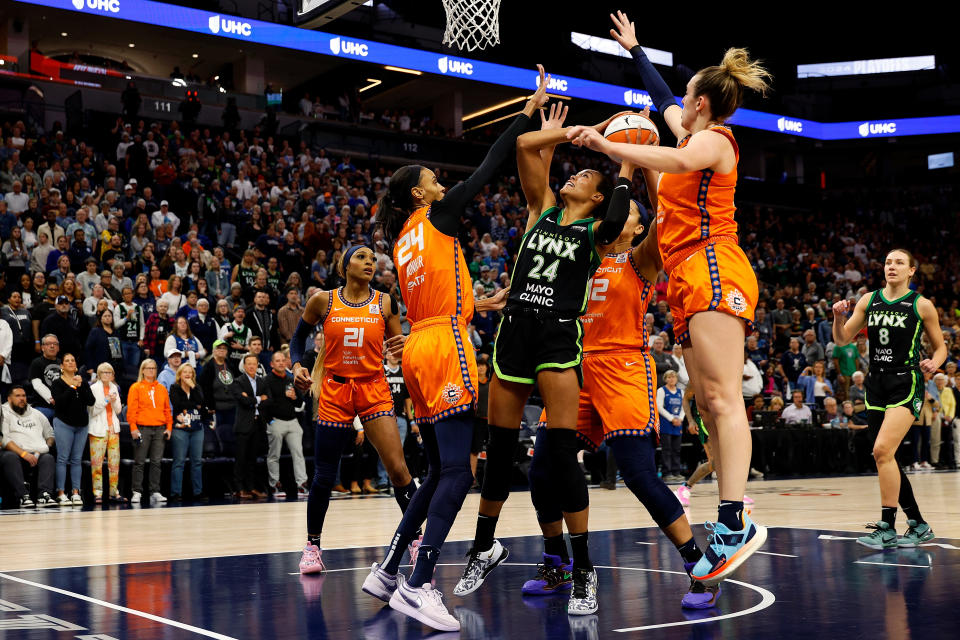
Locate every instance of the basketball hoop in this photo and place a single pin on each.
(472, 24)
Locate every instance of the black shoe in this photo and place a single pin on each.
(201, 497)
(175, 497)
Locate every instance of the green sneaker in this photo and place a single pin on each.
(916, 533)
(883, 537)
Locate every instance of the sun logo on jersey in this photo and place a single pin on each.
(451, 393)
(375, 309)
(736, 301)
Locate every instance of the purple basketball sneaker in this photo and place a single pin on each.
(700, 596)
(552, 577)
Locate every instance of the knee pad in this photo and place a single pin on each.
(569, 483)
(635, 457)
(541, 493)
(498, 472)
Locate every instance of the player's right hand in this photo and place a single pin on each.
(843, 307)
(625, 32)
(558, 113)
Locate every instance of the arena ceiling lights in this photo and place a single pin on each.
(278, 35)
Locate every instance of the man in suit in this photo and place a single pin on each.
(249, 391)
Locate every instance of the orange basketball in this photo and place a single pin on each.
(627, 126)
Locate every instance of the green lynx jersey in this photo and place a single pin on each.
(554, 266)
(893, 329)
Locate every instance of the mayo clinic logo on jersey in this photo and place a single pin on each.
(451, 393)
(113, 6)
(554, 84)
(736, 301)
(218, 24)
(876, 128)
(637, 98)
(452, 65)
(786, 124)
(342, 45)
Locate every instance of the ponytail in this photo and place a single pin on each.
(316, 374)
(725, 84)
(396, 204)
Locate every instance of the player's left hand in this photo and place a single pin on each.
(587, 137)
(539, 98)
(927, 366)
(394, 345)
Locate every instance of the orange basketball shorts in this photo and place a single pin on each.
(343, 398)
(710, 276)
(618, 397)
(440, 368)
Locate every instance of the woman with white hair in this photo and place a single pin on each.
(104, 432)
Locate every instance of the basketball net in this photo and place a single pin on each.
(472, 24)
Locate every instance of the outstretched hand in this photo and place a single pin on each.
(539, 98)
(556, 117)
(588, 137)
(625, 32)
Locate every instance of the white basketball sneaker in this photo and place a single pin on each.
(379, 583)
(479, 566)
(424, 604)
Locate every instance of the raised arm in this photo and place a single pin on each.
(445, 214)
(625, 33)
(705, 150)
(845, 331)
(534, 155)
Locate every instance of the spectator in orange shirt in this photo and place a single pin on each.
(151, 424)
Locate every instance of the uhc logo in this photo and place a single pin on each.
(338, 45)
(452, 65)
(113, 6)
(637, 98)
(219, 24)
(555, 84)
(875, 128)
(785, 124)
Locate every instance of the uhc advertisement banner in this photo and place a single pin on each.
(277, 35)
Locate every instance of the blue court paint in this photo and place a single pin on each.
(834, 588)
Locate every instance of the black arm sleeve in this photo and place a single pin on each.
(617, 212)
(652, 80)
(298, 342)
(445, 214)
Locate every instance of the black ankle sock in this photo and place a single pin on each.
(581, 552)
(556, 546)
(889, 515)
(913, 513)
(315, 540)
(486, 526)
(426, 564)
(689, 551)
(731, 514)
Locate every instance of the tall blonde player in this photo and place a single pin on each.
(712, 290)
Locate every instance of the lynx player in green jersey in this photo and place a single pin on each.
(894, 317)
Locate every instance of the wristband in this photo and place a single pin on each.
(23, 454)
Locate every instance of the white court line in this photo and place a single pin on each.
(891, 564)
(782, 555)
(116, 607)
(767, 598)
(652, 544)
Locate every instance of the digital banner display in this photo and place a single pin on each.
(277, 35)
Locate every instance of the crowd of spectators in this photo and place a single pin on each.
(196, 247)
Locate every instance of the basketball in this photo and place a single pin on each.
(626, 126)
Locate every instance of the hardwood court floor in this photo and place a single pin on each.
(71, 537)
